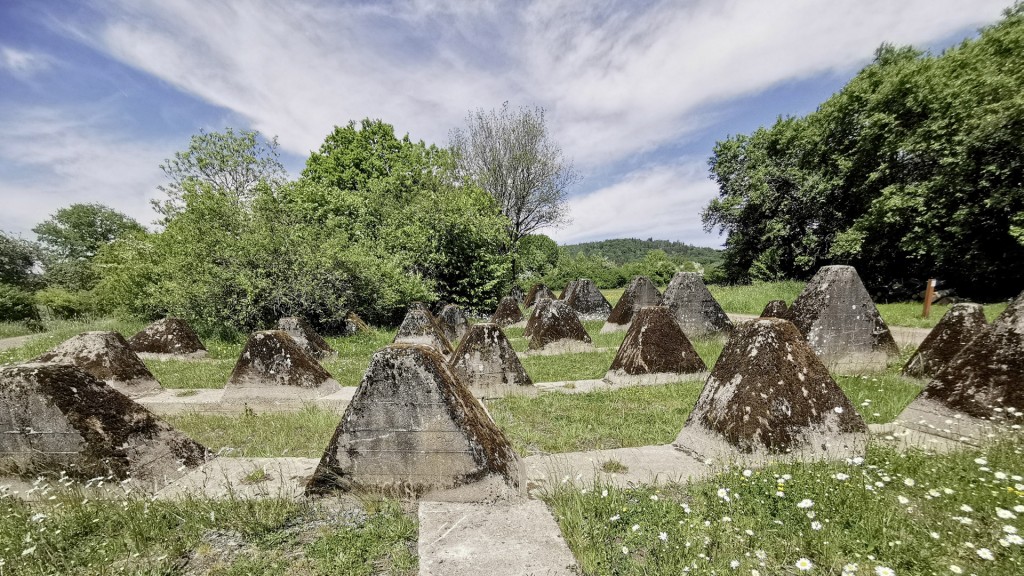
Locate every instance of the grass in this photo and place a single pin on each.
(354, 354)
(911, 513)
(751, 299)
(301, 434)
(909, 313)
(597, 420)
(13, 329)
(71, 534)
(59, 331)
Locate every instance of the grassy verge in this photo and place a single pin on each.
(13, 329)
(354, 353)
(75, 535)
(891, 514)
(598, 420)
(751, 299)
(909, 313)
(301, 434)
(59, 331)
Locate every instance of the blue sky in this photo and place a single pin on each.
(95, 94)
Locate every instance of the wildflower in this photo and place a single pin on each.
(838, 409)
(985, 554)
(1019, 508)
(908, 481)
(663, 536)
(734, 564)
(816, 525)
(903, 500)
(614, 518)
(934, 535)
(841, 477)
(884, 571)
(28, 551)
(625, 550)
(604, 493)
(1014, 539)
(748, 532)
(980, 461)
(1005, 514)
(1010, 529)
(955, 569)
(805, 503)
(754, 572)
(635, 527)
(723, 493)
(760, 554)
(748, 473)
(654, 497)
(1000, 475)
(851, 568)
(966, 508)
(804, 565)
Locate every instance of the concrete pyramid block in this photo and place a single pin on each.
(958, 326)
(654, 351)
(306, 337)
(420, 327)
(641, 292)
(836, 315)
(107, 356)
(776, 309)
(453, 323)
(486, 362)
(535, 314)
(353, 325)
(273, 366)
(588, 301)
(982, 385)
(557, 329)
(58, 418)
(695, 309)
(167, 338)
(568, 290)
(537, 292)
(412, 428)
(769, 396)
(507, 313)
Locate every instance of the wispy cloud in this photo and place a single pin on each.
(23, 64)
(53, 157)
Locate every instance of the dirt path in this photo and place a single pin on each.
(15, 342)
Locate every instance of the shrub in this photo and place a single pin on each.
(17, 305)
(67, 304)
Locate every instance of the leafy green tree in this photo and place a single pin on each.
(510, 154)
(17, 259)
(236, 164)
(913, 170)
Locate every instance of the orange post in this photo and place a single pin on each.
(929, 294)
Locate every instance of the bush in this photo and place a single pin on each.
(67, 304)
(17, 305)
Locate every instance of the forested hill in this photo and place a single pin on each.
(623, 250)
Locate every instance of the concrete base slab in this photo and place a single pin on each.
(904, 439)
(737, 318)
(512, 539)
(561, 347)
(908, 337)
(934, 418)
(244, 478)
(609, 328)
(212, 401)
(190, 357)
(713, 449)
(643, 465)
(573, 386)
(619, 378)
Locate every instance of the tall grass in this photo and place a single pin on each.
(302, 434)
(751, 299)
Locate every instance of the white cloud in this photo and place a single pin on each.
(23, 64)
(661, 202)
(618, 78)
(51, 158)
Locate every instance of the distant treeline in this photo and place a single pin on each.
(625, 250)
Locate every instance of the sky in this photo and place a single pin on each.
(94, 95)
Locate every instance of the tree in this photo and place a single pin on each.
(237, 164)
(17, 259)
(72, 237)
(510, 154)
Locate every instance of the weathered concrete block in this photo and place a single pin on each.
(306, 337)
(273, 365)
(655, 348)
(454, 323)
(107, 356)
(486, 362)
(507, 313)
(983, 381)
(557, 328)
(836, 315)
(413, 428)
(588, 302)
(354, 325)
(168, 338)
(769, 396)
(58, 418)
(695, 309)
(537, 292)
(420, 327)
(776, 309)
(958, 326)
(640, 293)
(568, 290)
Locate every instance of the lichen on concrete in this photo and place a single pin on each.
(107, 356)
(420, 327)
(769, 395)
(413, 428)
(507, 313)
(655, 344)
(303, 333)
(640, 293)
(554, 322)
(958, 326)
(839, 320)
(168, 338)
(588, 301)
(695, 309)
(453, 322)
(776, 309)
(486, 362)
(273, 364)
(57, 418)
(537, 292)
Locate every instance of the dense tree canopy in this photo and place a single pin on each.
(915, 169)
